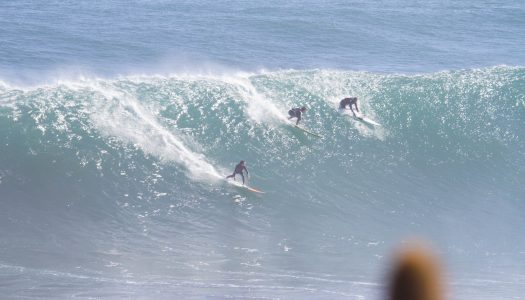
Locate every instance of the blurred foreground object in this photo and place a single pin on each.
(415, 276)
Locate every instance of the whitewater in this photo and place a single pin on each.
(119, 122)
(114, 183)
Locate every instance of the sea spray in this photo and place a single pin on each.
(109, 180)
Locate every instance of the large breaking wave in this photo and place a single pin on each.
(120, 178)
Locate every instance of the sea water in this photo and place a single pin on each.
(118, 120)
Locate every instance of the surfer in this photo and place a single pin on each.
(296, 113)
(349, 102)
(239, 170)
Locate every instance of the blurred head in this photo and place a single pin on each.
(242, 162)
(415, 275)
(303, 109)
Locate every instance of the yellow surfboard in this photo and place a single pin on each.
(240, 185)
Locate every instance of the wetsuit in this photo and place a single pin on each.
(349, 102)
(238, 170)
(295, 113)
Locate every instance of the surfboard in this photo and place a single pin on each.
(361, 118)
(240, 185)
(305, 130)
(366, 120)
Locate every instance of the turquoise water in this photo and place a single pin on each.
(118, 120)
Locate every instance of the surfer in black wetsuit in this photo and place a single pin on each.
(238, 170)
(296, 113)
(349, 102)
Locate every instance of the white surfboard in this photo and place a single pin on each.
(305, 130)
(366, 120)
(360, 117)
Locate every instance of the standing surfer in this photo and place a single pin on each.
(349, 102)
(239, 168)
(296, 113)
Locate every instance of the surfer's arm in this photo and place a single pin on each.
(246, 171)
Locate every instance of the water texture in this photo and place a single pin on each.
(118, 122)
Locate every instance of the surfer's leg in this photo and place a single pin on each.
(230, 176)
(242, 178)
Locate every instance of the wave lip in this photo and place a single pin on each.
(127, 173)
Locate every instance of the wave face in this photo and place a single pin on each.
(115, 184)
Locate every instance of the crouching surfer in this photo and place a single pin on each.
(296, 113)
(349, 102)
(239, 168)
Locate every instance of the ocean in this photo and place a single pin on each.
(119, 120)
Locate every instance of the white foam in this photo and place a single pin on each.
(120, 115)
(260, 109)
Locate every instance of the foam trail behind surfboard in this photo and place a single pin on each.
(259, 107)
(119, 114)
